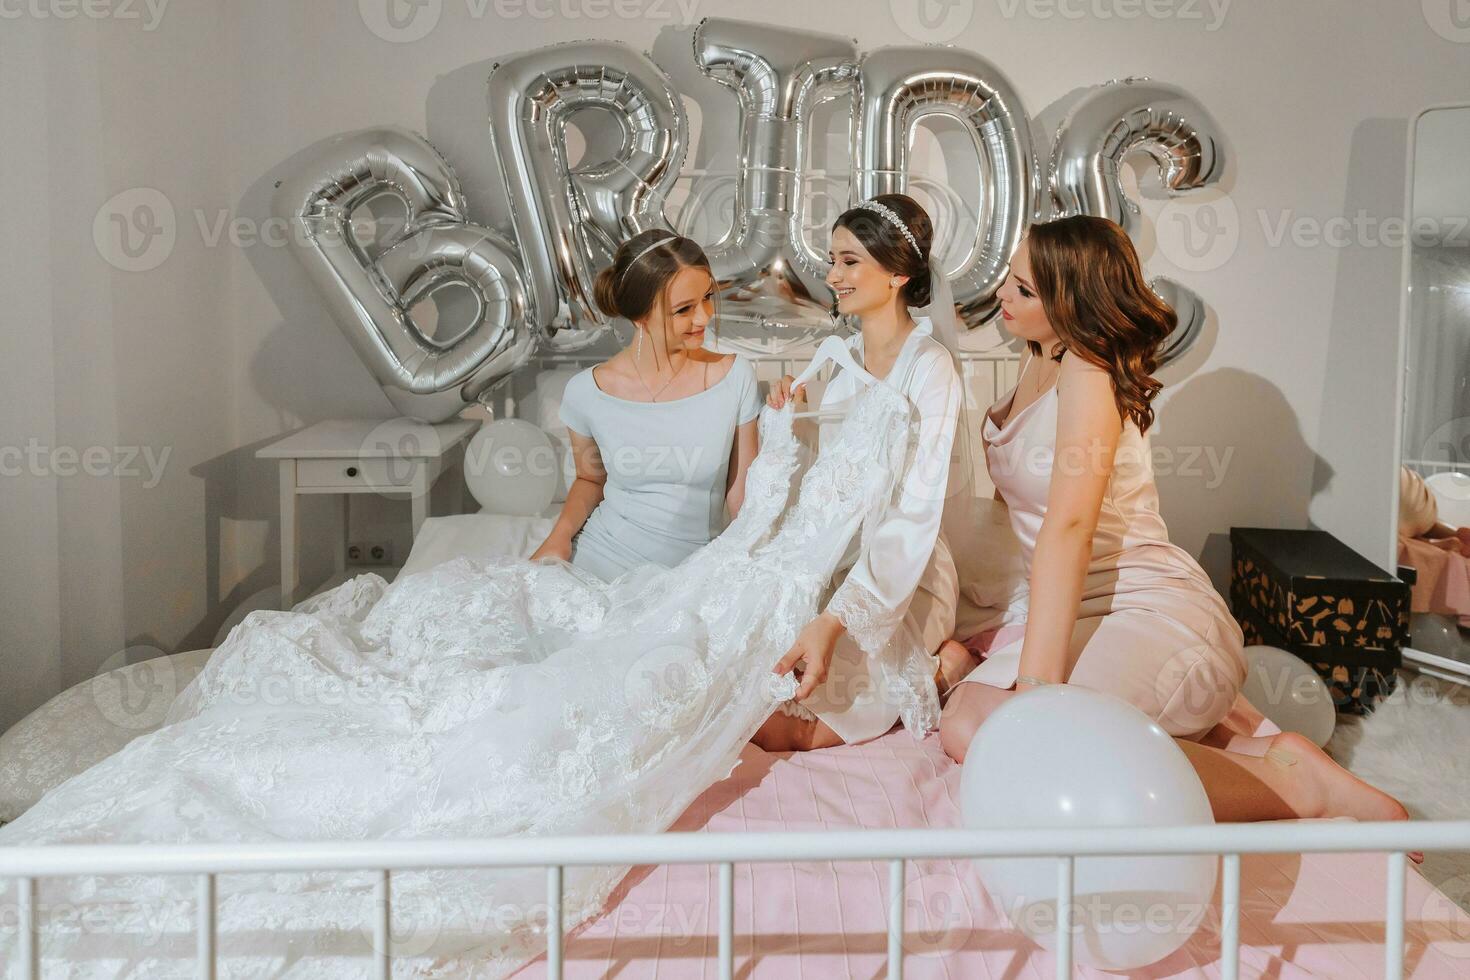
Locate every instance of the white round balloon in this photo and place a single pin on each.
(511, 467)
(1287, 690)
(1064, 756)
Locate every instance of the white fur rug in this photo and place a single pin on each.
(1416, 746)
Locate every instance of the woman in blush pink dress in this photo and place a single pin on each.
(1114, 605)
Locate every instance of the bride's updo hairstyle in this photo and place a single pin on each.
(641, 271)
(888, 245)
(1100, 305)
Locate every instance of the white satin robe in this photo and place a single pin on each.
(907, 566)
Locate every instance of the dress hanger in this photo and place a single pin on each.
(831, 349)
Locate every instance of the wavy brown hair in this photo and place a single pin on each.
(1101, 307)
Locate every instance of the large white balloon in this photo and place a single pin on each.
(511, 467)
(1063, 756)
(1287, 690)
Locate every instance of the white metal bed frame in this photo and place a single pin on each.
(1230, 841)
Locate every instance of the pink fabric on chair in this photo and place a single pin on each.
(1314, 916)
(1442, 583)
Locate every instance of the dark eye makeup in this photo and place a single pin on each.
(689, 306)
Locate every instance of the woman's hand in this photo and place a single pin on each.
(782, 390)
(554, 547)
(814, 644)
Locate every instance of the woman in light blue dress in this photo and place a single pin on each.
(662, 431)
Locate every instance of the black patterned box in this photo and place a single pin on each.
(1307, 592)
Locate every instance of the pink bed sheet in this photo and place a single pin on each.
(1301, 916)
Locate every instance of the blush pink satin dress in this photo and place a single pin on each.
(1151, 629)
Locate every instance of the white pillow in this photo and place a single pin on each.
(477, 536)
(86, 723)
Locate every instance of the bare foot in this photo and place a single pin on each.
(1329, 790)
(955, 662)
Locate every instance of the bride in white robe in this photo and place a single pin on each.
(882, 271)
(906, 569)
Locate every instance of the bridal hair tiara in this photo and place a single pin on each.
(892, 218)
(670, 237)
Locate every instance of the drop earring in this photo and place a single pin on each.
(638, 354)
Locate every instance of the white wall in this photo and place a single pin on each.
(225, 346)
(107, 368)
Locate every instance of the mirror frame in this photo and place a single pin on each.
(1445, 668)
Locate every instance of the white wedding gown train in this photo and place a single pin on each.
(473, 699)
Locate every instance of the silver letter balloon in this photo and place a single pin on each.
(535, 293)
(1109, 123)
(429, 378)
(570, 222)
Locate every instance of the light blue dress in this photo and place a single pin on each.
(666, 462)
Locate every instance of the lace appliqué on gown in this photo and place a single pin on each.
(472, 699)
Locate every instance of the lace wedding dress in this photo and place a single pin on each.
(472, 699)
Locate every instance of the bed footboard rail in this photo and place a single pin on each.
(28, 864)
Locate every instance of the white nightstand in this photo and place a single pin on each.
(391, 457)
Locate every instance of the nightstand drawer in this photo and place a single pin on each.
(368, 473)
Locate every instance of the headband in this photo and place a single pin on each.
(650, 247)
(892, 218)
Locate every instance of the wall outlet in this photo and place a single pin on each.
(370, 553)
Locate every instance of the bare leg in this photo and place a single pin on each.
(1277, 777)
(786, 733)
(968, 705)
(955, 661)
(1292, 779)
